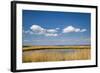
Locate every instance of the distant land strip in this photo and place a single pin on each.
(29, 48)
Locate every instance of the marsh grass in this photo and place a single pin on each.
(28, 48)
(82, 54)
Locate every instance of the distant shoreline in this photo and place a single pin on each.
(28, 48)
(56, 45)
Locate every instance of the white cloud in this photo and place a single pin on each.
(68, 29)
(83, 30)
(36, 29)
(77, 30)
(51, 30)
(72, 29)
(50, 34)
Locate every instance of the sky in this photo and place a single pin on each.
(55, 28)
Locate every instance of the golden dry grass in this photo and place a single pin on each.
(54, 47)
(84, 53)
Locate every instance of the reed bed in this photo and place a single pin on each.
(82, 54)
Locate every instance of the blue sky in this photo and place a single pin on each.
(55, 28)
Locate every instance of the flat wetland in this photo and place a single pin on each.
(55, 53)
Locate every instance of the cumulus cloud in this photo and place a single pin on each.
(40, 30)
(68, 29)
(72, 29)
(77, 30)
(37, 29)
(51, 30)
